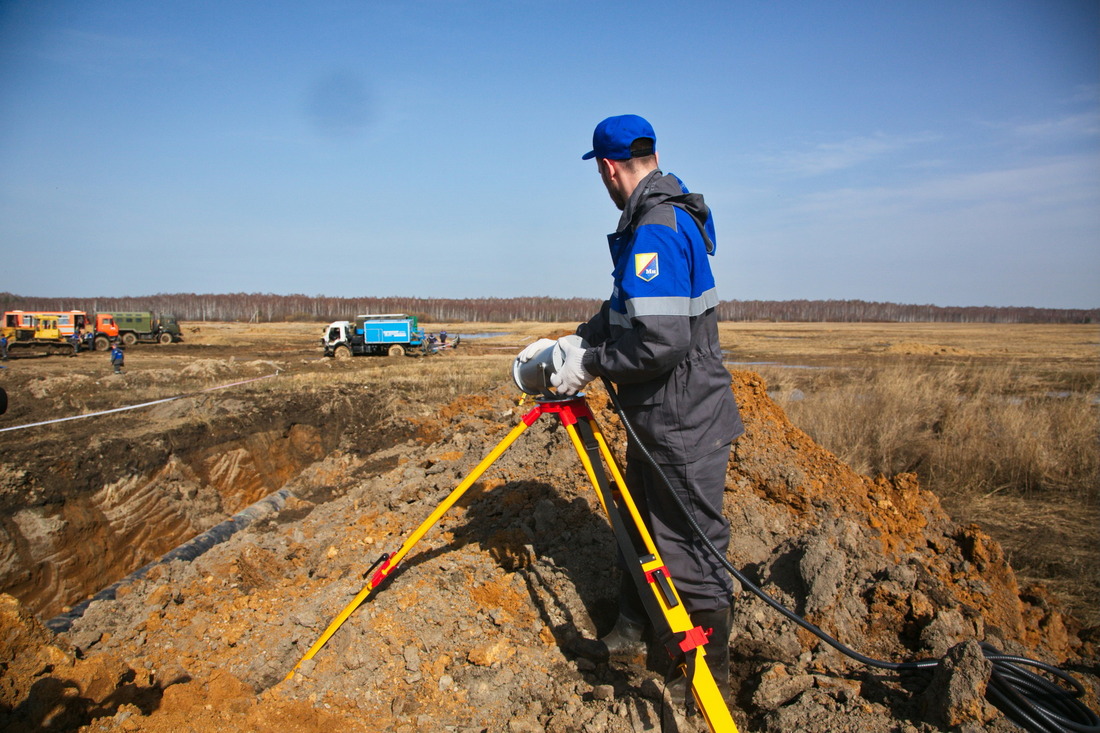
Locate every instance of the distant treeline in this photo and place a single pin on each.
(268, 307)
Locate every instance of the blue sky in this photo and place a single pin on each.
(913, 151)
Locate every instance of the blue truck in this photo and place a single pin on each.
(393, 334)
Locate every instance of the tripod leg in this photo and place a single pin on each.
(650, 574)
(453, 497)
(627, 499)
(390, 562)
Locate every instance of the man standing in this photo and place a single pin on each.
(656, 338)
(117, 357)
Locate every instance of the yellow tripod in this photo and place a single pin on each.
(644, 563)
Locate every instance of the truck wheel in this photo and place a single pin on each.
(128, 339)
(165, 338)
(396, 350)
(342, 352)
(101, 343)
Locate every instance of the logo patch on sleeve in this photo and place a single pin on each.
(645, 266)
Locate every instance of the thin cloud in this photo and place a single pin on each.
(1071, 126)
(1052, 184)
(832, 157)
(1086, 93)
(100, 52)
(1068, 127)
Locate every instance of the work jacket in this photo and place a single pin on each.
(656, 337)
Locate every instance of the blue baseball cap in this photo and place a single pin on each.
(614, 135)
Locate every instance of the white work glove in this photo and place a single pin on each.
(571, 376)
(532, 350)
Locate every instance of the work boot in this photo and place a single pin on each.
(717, 626)
(623, 642)
(679, 711)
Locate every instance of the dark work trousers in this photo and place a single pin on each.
(702, 582)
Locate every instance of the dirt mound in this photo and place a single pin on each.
(473, 631)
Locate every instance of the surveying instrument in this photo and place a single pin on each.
(672, 626)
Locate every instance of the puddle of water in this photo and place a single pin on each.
(794, 395)
(772, 364)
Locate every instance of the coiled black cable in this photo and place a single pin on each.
(1027, 699)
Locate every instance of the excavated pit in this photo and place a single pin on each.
(98, 514)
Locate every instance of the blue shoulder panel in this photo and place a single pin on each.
(664, 271)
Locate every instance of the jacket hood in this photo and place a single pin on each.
(659, 188)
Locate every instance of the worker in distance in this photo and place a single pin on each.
(656, 339)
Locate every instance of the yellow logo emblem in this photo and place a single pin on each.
(645, 265)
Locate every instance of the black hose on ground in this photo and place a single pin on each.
(1027, 699)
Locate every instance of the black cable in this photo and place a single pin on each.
(1027, 699)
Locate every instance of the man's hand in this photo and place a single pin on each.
(532, 350)
(571, 377)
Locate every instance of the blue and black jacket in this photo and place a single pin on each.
(656, 337)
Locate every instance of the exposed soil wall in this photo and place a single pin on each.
(100, 512)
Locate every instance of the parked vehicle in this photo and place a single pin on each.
(394, 334)
(101, 330)
(96, 330)
(147, 327)
(30, 331)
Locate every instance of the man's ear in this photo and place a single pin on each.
(611, 168)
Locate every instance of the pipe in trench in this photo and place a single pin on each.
(188, 551)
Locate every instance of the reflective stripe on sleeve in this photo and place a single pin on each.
(666, 306)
